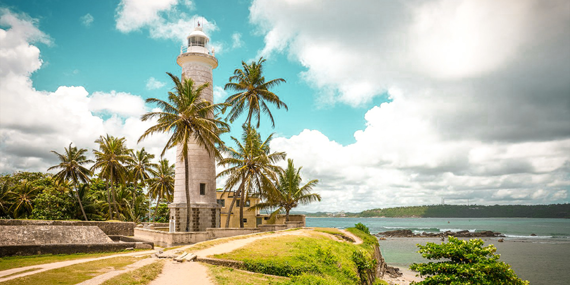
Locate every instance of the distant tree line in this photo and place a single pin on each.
(473, 211)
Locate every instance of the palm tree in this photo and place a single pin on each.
(251, 166)
(140, 166)
(252, 93)
(23, 195)
(190, 118)
(290, 194)
(111, 159)
(71, 165)
(5, 193)
(161, 186)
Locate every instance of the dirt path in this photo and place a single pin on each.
(104, 277)
(175, 273)
(49, 266)
(356, 239)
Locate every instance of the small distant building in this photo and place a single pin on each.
(251, 218)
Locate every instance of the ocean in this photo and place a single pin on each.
(540, 259)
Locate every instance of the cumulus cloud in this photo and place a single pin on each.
(152, 84)
(87, 20)
(478, 97)
(34, 122)
(163, 19)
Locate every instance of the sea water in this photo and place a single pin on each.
(541, 259)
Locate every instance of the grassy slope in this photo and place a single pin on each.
(313, 259)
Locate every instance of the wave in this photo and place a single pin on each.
(534, 237)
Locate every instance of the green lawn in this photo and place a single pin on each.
(74, 274)
(10, 262)
(140, 276)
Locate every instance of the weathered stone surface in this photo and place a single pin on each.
(109, 228)
(44, 234)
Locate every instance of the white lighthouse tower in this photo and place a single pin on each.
(197, 62)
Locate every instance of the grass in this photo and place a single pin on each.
(230, 276)
(10, 262)
(19, 272)
(313, 259)
(140, 276)
(74, 274)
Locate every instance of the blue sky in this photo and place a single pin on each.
(390, 103)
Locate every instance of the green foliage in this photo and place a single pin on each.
(161, 214)
(310, 279)
(52, 204)
(465, 262)
(362, 228)
(364, 264)
(474, 211)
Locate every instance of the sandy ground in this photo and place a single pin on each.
(356, 239)
(407, 277)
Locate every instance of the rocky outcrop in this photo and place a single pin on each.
(409, 233)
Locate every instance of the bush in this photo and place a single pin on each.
(362, 227)
(466, 262)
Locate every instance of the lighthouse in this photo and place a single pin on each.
(197, 63)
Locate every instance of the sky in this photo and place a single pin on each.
(391, 103)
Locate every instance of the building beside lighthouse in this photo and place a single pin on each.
(197, 63)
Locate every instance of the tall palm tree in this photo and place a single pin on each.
(252, 93)
(190, 118)
(71, 165)
(110, 159)
(251, 165)
(290, 194)
(161, 186)
(140, 167)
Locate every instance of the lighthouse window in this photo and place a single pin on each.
(196, 41)
(202, 188)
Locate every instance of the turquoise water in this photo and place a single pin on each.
(544, 259)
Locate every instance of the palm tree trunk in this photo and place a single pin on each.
(135, 194)
(233, 202)
(80, 204)
(187, 190)
(241, 204)
(287, 215)
(109, 199)
(114, 195)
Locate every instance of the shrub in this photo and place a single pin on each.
(362, 227)
(466, 262)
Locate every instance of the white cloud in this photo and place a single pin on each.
(236, 40)
(120, 103)
(479, 105)
(32, 122)
(219, 94)
(87, 20)
(163, 19)
(152, 84)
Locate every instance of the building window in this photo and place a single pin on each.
(202, 188)
(247, 203)
(265, 218)
(245, 220)
(222, 202)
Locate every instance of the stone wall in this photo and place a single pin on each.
(10, 250)
(109, 228)
(47, 234)
(166, 239)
